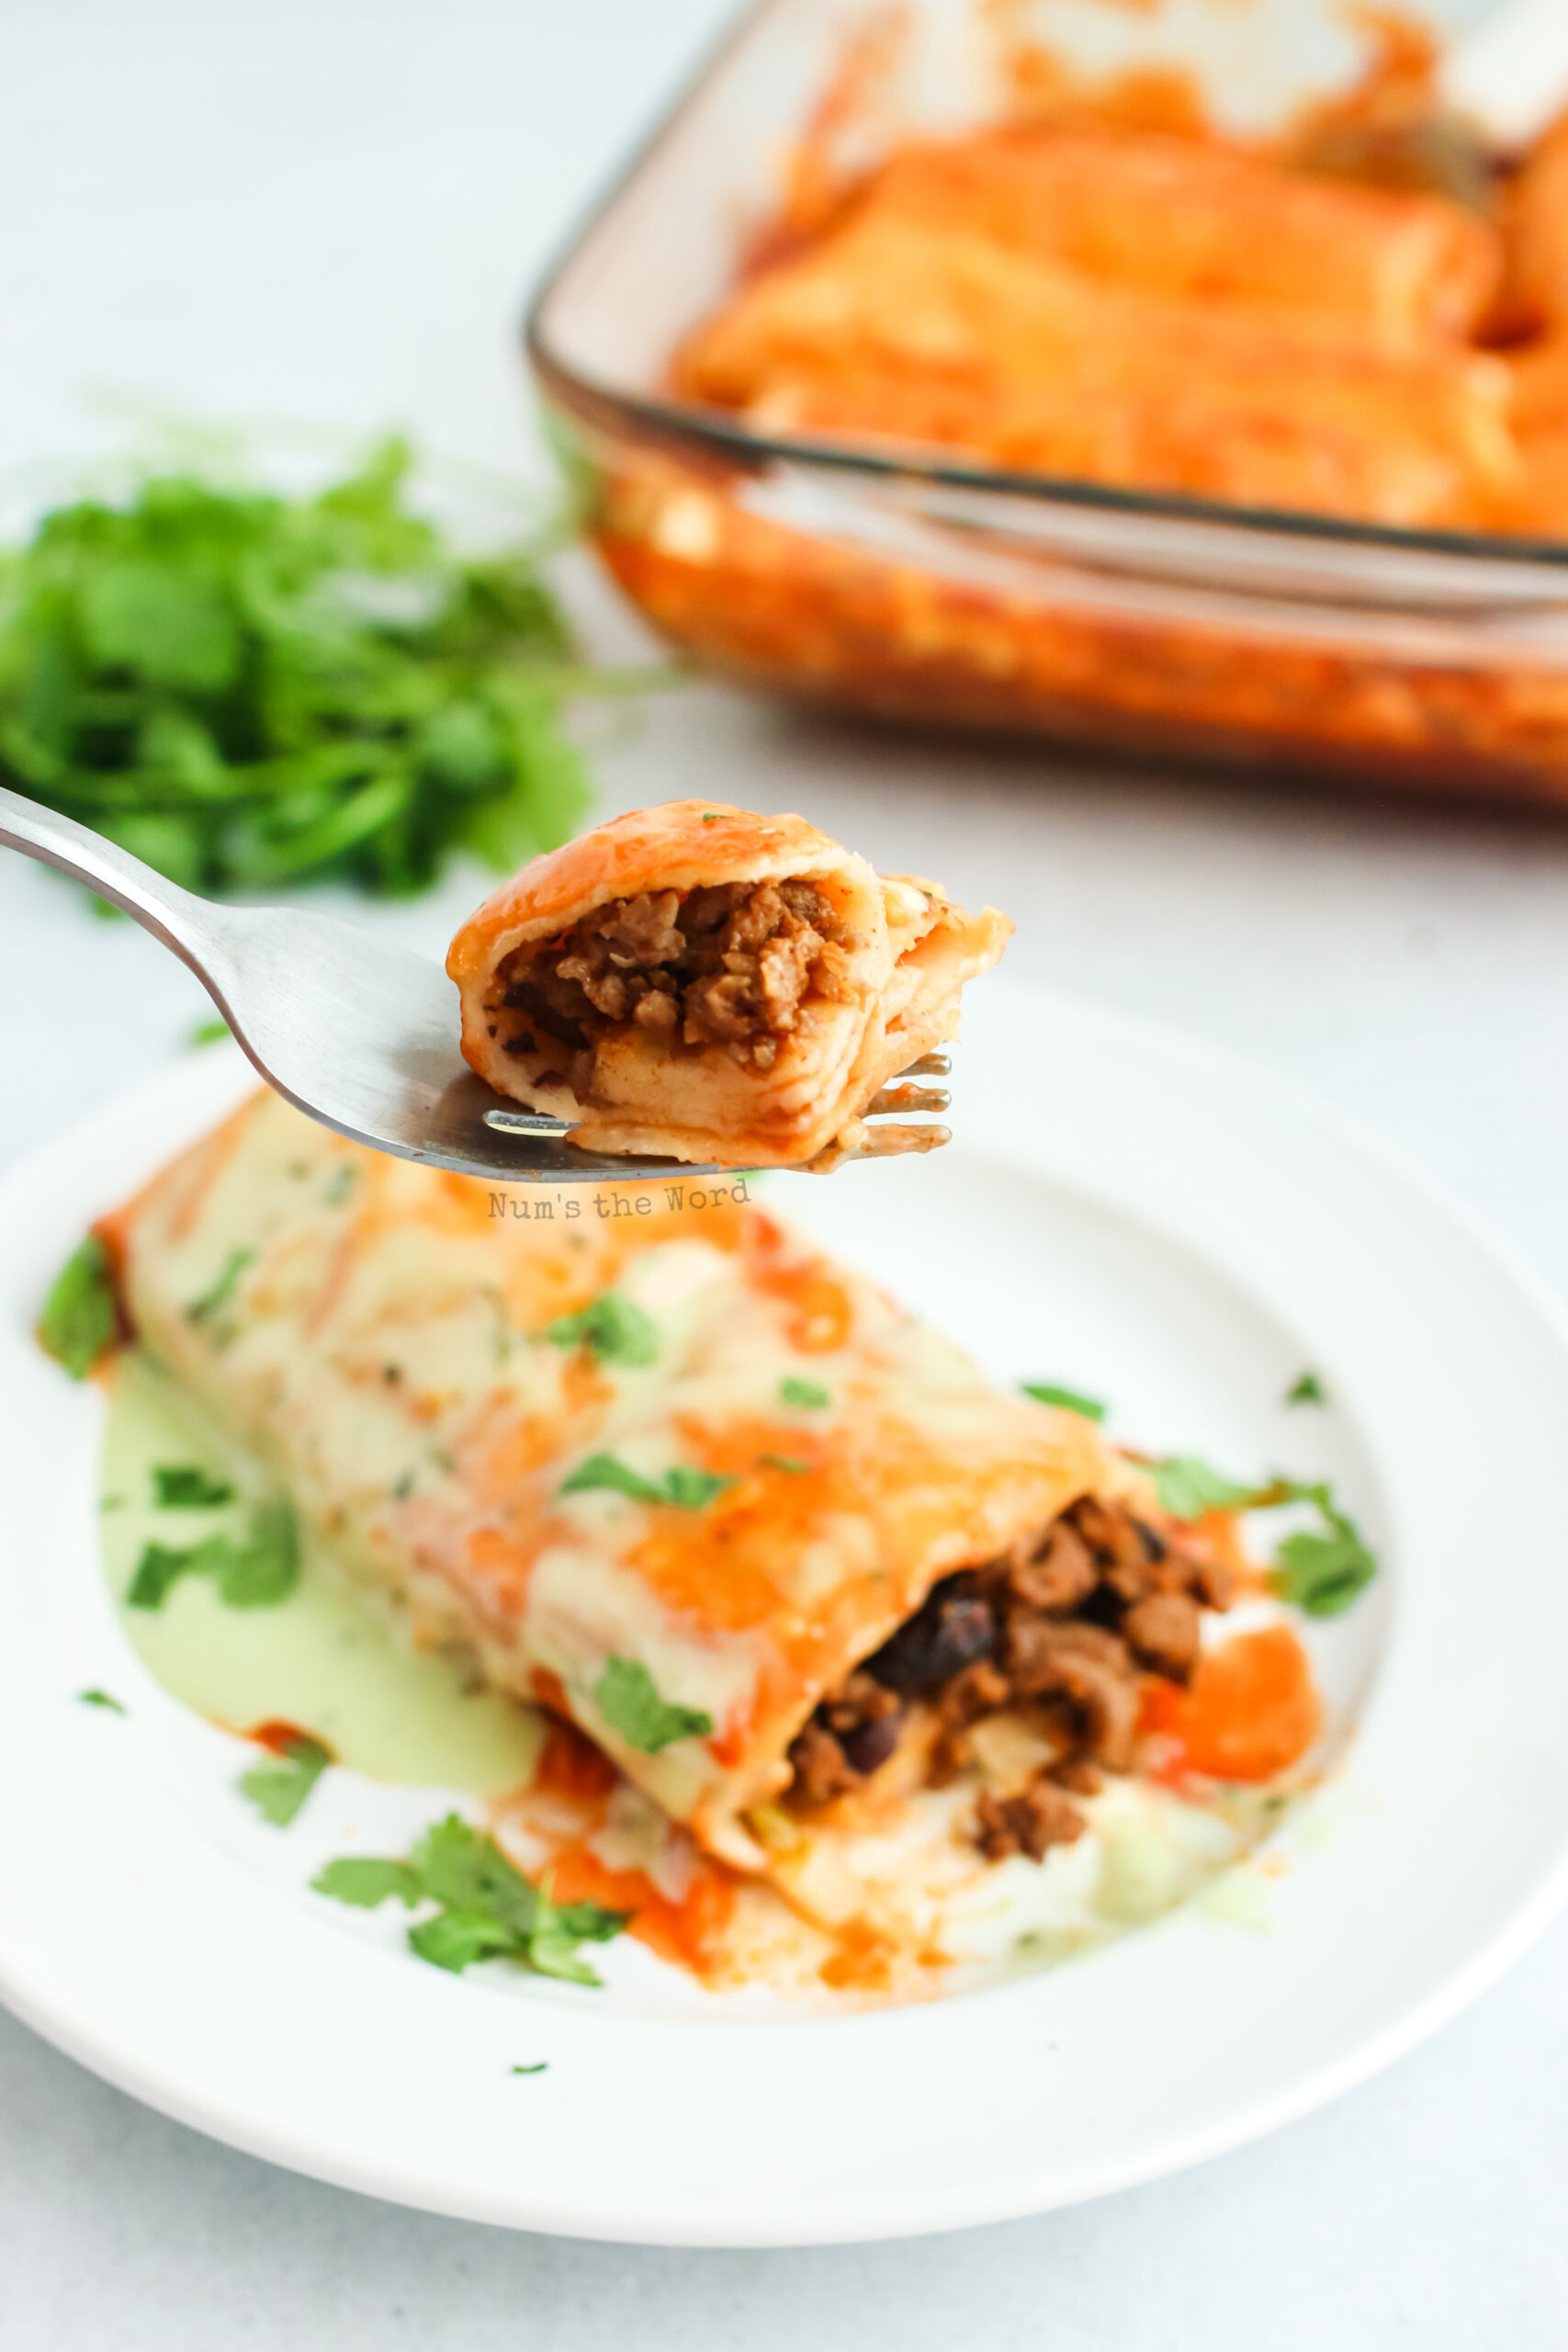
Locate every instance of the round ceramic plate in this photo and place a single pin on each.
(1125, 1212)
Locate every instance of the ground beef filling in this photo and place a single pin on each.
(733, 966)
(1070, 1620)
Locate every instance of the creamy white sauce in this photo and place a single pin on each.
(332, 1658)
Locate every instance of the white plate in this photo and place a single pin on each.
(1127, 1211)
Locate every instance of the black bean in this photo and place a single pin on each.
(870, 1745)
(955, 1626)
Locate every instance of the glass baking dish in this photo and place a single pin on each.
(941, 592)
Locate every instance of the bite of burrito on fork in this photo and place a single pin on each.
(702, 984)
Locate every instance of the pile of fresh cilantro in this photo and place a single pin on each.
(248, 690)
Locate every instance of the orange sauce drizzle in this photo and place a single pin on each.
(1251, 1711)
(688, 1931)
(279, 1735)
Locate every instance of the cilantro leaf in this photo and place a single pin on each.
(208, 1033)
(100, 1699)
(553, 1952)
(455, 1939)
(628, 1697)
(487, 1909)
(265, 1570)
(1306, 1389)
(278, 1788)
(1188, 1487)
(691, 1490)
(185, 1486)
(809, 1395)
(1044, 1392)
(218, 1295)
(1320, 1573)
(685, 1487)
(459, 1866)
(80, 1318)
(603, 1471)
(246, 689)
(614, 1330)
(160, 1569)
(542, 2066)
(790, 1463)
(255, 1573)
(1324, 1574)
(367, 1880)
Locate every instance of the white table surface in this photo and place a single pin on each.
(330, 208)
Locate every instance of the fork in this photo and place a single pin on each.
(362, 1034)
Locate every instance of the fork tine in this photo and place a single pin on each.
(889, 1143)
(907, 1098)
(929, 1066)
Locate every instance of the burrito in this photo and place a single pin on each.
(865, 1626)
(898, 331)
(698, 983)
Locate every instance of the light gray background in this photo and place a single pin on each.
(324, 208)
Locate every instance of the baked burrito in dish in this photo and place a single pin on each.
(869, 1628)
(698, 983)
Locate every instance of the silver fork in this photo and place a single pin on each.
(364, 1035)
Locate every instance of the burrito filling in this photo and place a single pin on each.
(1065, 1626)
(736, 964)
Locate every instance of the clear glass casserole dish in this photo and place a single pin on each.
(943, 593)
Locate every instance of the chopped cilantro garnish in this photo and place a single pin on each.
(1045, 1392)
(279, 1787)
(684, 1487)
(100, 1699)
(340, 1183)
(185, 1486)
(1188, 1487)
(1321, 1574)
(542, 2066)
(628, 1697)
(1324, 1574)
(1306, 1389)
(691, 1490)
(208, 1033)
(614, 1330)
(790, 1463)
(265, 1569)
(808, 1394)
(455, 1939)
(217, 1296)
(248, 689)
(254, 1574)
(160, 1569)
(79, 1318)
(365, 1880)
(487, 1909)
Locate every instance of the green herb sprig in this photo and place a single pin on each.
(614, 1329)
(80, 1321)
(185, 1485)
(256, 1571)
(683, 1486)
(1319, 1573)
(628, 1698)
(279, 1787)
(1045, 1392)
(247, 689)
(486, 1909)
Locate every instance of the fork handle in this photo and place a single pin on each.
(184, 922)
